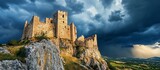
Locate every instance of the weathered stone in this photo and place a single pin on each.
(12, 65)
(3, 50)
(66, 47)
(43, 55)
(90, 55)
(81, 38)
(52, 27)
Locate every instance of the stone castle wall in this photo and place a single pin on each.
(52, 27)
(88, 42)
(63, 29)
(40, 28)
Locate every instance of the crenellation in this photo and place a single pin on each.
(53, 27)
(90, 41)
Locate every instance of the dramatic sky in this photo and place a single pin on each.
(120, 24)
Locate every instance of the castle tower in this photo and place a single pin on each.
(73, 32)
(61, 23)
(95, 39)
(35, 21)
(24, 30)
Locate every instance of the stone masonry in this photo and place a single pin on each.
(52, 27)
(55, 27)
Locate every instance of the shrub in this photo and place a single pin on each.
(24, 42)
(16, 42)
(110, 66)
(19, 52)
(13, 42)
(40, 37)
(80, 50)
(7, 57)
(72, 63)
(14, 49)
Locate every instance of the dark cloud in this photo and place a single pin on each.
(117, 50)
(115, 16)
(142, 13)
(5, 3)
(141, 27)
(106, 3)
(74, 6)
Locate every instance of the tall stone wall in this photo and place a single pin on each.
(37, 28)
(24, 30)
(28, 29)
(91, 41)
(46, 28)
(88, 42)
(73, 32)
(51, 27)
(62, 27)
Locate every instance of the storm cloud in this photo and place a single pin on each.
(142, 51)
(118, 23)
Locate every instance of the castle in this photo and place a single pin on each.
(56, 27)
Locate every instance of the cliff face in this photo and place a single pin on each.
(87, 51)
(43, 55)
(12, 65)
(91, 58)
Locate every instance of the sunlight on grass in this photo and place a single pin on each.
(71, 63)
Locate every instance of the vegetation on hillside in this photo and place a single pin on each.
(17, 43)
(41, 37)
(72, 63)
(7, 57)
(133, 64)
(16, 52)
(80, 50)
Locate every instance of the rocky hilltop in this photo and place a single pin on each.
(42, 55)
(45, 55)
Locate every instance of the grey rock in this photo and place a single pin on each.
(3, 50)
(12, 65)
(91, 58)
(43, 55)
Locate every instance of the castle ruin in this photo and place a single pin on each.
(56, 27)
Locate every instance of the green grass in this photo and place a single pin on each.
(123, 66)
(80, 50)
(17, 43)
(41, 37)
(7, 57)
(72, 63)
(16, 52)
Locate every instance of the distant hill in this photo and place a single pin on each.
(134, 63)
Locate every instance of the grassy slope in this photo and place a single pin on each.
(16, 52)
(129, 66)
(72, 63)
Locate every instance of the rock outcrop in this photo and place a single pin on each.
(87, 51)
(12, 65)
(43, 55)
(91, 58)
(3, 50)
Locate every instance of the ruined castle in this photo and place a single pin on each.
(56, 27)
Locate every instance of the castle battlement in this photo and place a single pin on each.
(51, 27)
(55, 27)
